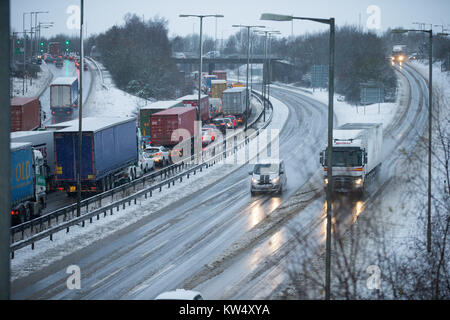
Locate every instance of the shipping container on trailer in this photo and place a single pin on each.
(164, 123)
(217, 88)
(208, 78)
(147, 111)
(220, 74)
(25, 114)
(109, 145)
(234, 100)
(64, 95)
(44, 142)
(22, 175)
(192, 101)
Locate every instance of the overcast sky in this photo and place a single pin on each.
(102, 14)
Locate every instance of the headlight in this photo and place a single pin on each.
(276, 180)
(254, 180)
(358, 181)
(325, 180)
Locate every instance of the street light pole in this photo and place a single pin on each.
(331, 23)
(430, 116)
(201, 59)
(80, 110)
(247, 96)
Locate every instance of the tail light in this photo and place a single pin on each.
(61, 189)
(53, 112)
(159, 154)
(93, 188)
(68, 112)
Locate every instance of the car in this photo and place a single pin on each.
(229, 123)
(219, 123)
(233, 119)
(212, 131)
(178, 55)
(268, 176)
(212, 54)
(223, 124)
(147, 163)
(159, 154)
(206, 137)
(180, 294)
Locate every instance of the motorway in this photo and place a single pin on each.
(68, 70)
(171, 248)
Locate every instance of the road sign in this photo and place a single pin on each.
(319, 76)
(371, 95)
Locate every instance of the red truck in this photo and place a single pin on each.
(25, 114)
(192, 101)
(164, 123)
(220, 74)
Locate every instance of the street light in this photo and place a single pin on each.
(430, 106)
(36, 25)
(330, 22)
(201, 55)
(266, 82)
(247, 98)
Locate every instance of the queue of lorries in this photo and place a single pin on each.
(114, 150)
(117, 150)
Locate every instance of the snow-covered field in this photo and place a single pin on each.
(37, 85)
(110, 101)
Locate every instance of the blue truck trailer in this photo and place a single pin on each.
(109, 154)
(28, 191)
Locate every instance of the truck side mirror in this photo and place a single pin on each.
(321, 158)
(250, 172)
(365, 157)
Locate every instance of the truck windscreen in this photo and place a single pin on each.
(346, 157)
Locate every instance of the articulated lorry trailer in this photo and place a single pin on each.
(64, 96)
(109, 154)
(356, 156)
(28, 193)
(234, 103)
(43, 142)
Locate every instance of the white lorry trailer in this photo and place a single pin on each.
(356, 156)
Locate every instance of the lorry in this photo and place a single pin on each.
(357, 156)
(220, 74)
(164, 123)
(208, 78)
(43, 142)
(28, 193)
(146, 112)
(25, 114)
(215, 107)
(398, 54)
(54, 49)
(192, 101)
(109, 154)
(64, 95)
(217, 88)
(234, 103)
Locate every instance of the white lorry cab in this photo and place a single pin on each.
(356, 155)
